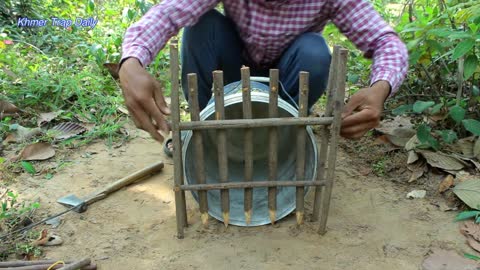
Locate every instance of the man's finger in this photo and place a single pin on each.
(147, 125)
(160, 99)
(156, 115)
(357, 130)
(352, 105)
(365, 115)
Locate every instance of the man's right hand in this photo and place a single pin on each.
(144, 98)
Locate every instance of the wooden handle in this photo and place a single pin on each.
(101, 194)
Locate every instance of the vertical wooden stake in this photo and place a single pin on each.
(335, 131)
(273, 145)
(222, 144)
(324, 133)
(248, 143)
(198, 145)
(301, 136)
(180, 204)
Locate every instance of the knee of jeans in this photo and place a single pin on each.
(312, 48)
(207, 22)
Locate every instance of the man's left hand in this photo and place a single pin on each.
(363, 110)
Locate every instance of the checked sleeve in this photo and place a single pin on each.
(145, 38)
(358, 20)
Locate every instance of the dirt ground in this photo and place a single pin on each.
(371, 226)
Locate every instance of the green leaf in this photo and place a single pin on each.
(448, 136)
(457, 113)
(460, 35)
(471, 256)
(435, 109)
(425, 138)
(48, 176)
(440, 32)
(28, 167)
(470, 66)
(466, 215)
(421, 106)
(2, 160)
(402, 109)
(472, 125)
(462, 48)
(469, 192)
(475, 91)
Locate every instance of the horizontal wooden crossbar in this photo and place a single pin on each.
(256, 184)
(254, 123)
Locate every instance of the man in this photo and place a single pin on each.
(261, 34)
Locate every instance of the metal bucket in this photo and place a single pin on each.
(235, 140)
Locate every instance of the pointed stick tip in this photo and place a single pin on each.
(248, 216)
(204, 217)
(273, 215)
(299, 218)
(226, 219)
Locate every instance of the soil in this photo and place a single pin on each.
(371, 225)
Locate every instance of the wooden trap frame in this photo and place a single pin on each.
(326, 155)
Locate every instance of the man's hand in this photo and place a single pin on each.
(144, 98)
(363, 110)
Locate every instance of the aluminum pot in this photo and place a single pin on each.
(235, 140)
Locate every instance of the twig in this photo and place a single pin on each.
(460, 79)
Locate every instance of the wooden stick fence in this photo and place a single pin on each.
(326, 156)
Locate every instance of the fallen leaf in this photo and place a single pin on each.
(388, 126)
(416, 194)
(67, 130)
(441, 160)
(45, 118)
(22, 134)
(112, 69)
(473, 244)
(463, 146)
(469, 193)
(412, 143)
(463, 176)
(7, 107)
(418, 169)
(37, 151)
(446, 183)
(470, 229)
(46, 239)
(476, 149)
(412, 157)
(441, 259)
(123, 110)
(382, 139)
(400, 136)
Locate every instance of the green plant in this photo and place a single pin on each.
(379, 167)
(12, 212)
(468, 215)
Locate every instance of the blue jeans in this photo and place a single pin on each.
(213, 43)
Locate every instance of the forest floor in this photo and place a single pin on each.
(372, 225)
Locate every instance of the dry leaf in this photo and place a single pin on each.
(45, 118)
(441, 259)
(418, 169)
(37, 151)
(388, 126)
(470, 229)
(47, 239)
(22, 134)
(400, 136)
(412, 157)
(67, 130)
(463, 146)
(112, 69)
(382, 139)
(123, 110)
(441, 160)
(469, 193)
(473, 244)
(7, 107)
(446, 183)
(476, 149)
(412, 143)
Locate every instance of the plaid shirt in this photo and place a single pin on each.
(269, 27)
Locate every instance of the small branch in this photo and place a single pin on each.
(460, 79)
